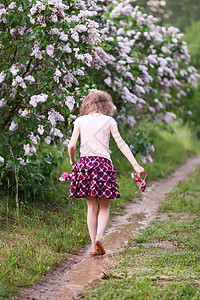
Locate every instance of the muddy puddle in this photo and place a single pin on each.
(80, 270)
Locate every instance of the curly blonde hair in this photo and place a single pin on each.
(98, 101)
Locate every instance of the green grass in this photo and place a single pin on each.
(163, 261)
(49, 230)
(185, 196)
(44, 238)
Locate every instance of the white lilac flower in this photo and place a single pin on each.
(73, 19)
(13, 31)
(13, 126)
(56, 132)
(32, 21)
(33, 138)
(84, 14)
(21, 29)
(54, 116)
(63, 36)
(129, 75)
(120, 31)
(66, 48)
(40, 129)
(18, 80)
(152, 58)
(1, 159)
(22, 161)
(12, 5)
(54, 31)
(41, 20)
(56, 76)
(24, 112)
(34, 101)
(50, 50)
(139, 81)
(30, 78)
(20, 8)
(39, 6)
(143, 159)
(189, 112)
(147, 35)
(36, 52)
(141, 101)
(152, 109)
(182, 93)
(72, 117)
(130, 121)
(166, 95)
(70, 102)
(80, 4)
(3, 102)
(69, 79)
(159, 104)
(66, 142)
(116, 11)
(108, 81)
(128, 96)
(139, 89)
(29, 150)
(2, 76)
(169, 117)
(14, 70)
(47, 140)
(151, 148)
(149, 158)
(79, 72)
(54, 18)
(2, 10)
(81, 28)
(183, 73)
(85, 58)
(75, 36)
(192, 69)
(164, 49)
(38, 99)
(127, 10)
(93, 37)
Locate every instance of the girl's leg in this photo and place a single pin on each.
(92, 219)
(104, 208)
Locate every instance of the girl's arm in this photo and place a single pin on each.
(125, 149)
(72, 144)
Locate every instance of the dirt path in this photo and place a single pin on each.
(79, 270)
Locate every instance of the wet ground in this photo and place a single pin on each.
(79, 270)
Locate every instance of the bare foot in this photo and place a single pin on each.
(100, 249)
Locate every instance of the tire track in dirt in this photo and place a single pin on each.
(67, 281)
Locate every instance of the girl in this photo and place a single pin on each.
(94, 175)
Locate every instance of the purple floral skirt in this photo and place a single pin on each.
(94, 176)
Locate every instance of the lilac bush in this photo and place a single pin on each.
(151, 64)
(52, 52)
(45, 48)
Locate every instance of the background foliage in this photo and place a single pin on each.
(173, 12)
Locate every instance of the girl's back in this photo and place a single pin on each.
(95, 131)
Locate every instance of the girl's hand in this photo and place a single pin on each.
(139, 169)
(73, 162)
